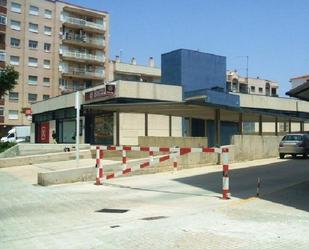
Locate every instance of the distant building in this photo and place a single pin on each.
(119, 70)
(240, 84)
(300, 87)
(297, 81)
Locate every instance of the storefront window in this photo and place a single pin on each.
(103, 131)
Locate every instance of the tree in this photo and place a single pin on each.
(8, 79)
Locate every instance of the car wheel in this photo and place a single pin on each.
(281, 155)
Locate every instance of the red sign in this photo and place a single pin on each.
(44, 133)
(108, 90)
(28, 112)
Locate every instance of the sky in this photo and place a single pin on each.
(273, 34)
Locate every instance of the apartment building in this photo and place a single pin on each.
(239, 84)
(3, 20)
(56, 47)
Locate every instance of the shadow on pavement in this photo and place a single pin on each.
(285, 182)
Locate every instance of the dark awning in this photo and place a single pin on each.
(300, 92)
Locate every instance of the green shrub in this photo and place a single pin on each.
(5, 146)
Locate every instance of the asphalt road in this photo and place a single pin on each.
(165, 210)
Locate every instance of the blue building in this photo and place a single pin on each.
(194, 70)
(200, 74)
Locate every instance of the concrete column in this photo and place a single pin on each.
(217, 128)
(260, 125)
(240, 120)
(276, 126)
(117, 128)
(190, 127)
(206, 128)
(170, 125)
(284, 126)
(290, 126)
(302, 126)
(146, 124)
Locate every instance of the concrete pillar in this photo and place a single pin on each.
(206, 127)
(290, 126)
(302, 126)
(240, 120)
(260, 125)
(217, 128)
(284, 126)
(276, 126)
(170, 125)
(190, 127)
(146, 124)
(117, 128)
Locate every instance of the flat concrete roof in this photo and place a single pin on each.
(195, 109)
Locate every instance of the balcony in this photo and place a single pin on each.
(81, 57)
(77, 22)
(83, 74)
(1, 119)
(85, 41)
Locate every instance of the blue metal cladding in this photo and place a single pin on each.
(193, 69)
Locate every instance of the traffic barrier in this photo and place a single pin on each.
(174, 152)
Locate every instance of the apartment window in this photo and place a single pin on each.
(32, 80)
(252, 89)
(260, 90)
(32, 62)
(15, 42)
(33, 10)
(47, 30)
(15, 25)
(46, 81)
(2, 19)
(48, 14)
(14, 60)
(3, 3)
(2, 56)
(16, 7)
(33, 27)
(33, 44)
(13, 114)
(47, 47)
(46, 63)
(32, 97)
(13, 96)
(1, 111)
(45, 97)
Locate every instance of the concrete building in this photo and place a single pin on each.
(119, 70)
(239, 84)
(300, 87)
(299, 80)
(56, 47)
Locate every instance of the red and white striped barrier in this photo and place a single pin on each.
(225, 181)
(173, 154)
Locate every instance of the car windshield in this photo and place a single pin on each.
(293, 138)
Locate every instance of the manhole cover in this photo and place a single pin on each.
(112, 210)
(154, 218)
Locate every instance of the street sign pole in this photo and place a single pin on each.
(77, 107)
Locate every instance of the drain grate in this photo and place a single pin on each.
(112, 210)
(155, 218)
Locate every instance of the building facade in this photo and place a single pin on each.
(239, 84)
(56, 47)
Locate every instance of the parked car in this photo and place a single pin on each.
(294, 144)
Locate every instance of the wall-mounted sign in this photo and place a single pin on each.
(106, 91)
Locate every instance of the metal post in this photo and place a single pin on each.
(260, 125)
(240, 120)
(146, 124)
(276, 126)
(170, 125)
(290, 126)
(217, 128)
(77, 107)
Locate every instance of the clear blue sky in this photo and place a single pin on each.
(273, 33)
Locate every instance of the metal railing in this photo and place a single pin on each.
(81, 22)
(83, 39)
(80, 72)
(84, 56)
